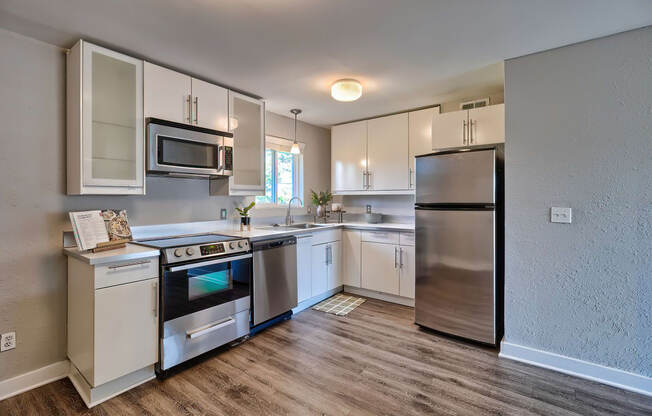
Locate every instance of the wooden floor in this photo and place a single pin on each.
(374, 361)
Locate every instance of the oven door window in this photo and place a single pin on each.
(204, 282)
(187, 153)
(193, 289)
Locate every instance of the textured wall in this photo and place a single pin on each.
(579, 134)
(34, 207)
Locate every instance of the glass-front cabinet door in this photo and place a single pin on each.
(112, 124)
(247, 123)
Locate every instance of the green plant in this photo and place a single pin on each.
(244, 212)
(321, 198)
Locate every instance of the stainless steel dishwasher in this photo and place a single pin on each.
(275, 278)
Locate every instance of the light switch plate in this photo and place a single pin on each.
(223, 214)
(560, 215)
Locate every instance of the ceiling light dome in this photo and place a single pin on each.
(346, 90)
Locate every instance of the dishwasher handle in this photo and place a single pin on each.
(275, 243)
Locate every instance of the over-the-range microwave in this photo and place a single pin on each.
(177, 149)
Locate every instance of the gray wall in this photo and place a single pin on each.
(34, 207)
(579, 135)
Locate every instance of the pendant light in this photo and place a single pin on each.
(295, 146)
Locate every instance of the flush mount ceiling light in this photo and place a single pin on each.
(295, 146)
(346, 90)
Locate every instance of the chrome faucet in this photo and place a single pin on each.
(288, 217)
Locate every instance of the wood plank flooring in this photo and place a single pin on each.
(374, 361)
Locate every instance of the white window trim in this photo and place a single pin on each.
(280, 143)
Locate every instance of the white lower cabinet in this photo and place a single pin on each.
(319, 270)
(334, 264)
(406, 277)
(112, 325)
(326, 260)
(386, 265)
(351, 257)
(126, 322)
(304, 266)
(380, 267)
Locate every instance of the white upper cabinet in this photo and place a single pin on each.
(420, 137)
(174, 96)
(247, 123)
(477, 126)
(168, 94)
(450, 130)
(105, 122)
(387, 157)
(210, 106)
(349, 157)
(487, 124)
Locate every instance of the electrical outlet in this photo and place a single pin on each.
(561, 215)
(8, 341)
(223, 213)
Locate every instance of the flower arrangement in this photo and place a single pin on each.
(321, 198)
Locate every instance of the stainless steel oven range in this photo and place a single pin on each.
(205, 294)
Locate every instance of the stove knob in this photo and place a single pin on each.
(231, 246)
(190, 251)
(178, 253)
(240, 244)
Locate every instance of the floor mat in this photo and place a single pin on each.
(339, 304)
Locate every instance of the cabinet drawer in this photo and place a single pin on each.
(128, 271)
(387, 237)
(406, 239)
(326, 236)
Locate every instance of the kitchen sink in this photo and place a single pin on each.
(303, 226)
(279, 227)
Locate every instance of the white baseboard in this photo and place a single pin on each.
(34, 379)
(583, 369)
(379, 295)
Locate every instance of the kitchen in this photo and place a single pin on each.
(295, 359)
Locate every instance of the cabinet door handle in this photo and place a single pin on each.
(463, 131)
(137, 263)
(364, 180)
(368, 180)
(155, 290)
(395, 260)
(471, 131)
(400, 258)
(189, 101)
(410, 178)
(196, 110)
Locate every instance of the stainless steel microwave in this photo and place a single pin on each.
(176, 149)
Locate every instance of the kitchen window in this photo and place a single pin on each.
(283, 173)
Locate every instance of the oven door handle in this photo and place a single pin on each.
(208, 263)
(214, 326)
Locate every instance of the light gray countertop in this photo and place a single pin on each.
(129, 252)
(257, 233)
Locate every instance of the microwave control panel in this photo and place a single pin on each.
(228, 158)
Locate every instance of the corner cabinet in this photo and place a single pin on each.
(105, 124)
(247, 123)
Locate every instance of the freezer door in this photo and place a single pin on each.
(457, 178)
(455, 273)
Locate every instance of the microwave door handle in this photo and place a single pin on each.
(220, 158)
(208, 263)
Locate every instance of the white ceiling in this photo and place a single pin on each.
(406, 53)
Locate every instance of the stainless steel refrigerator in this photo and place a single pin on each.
(459, 243)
